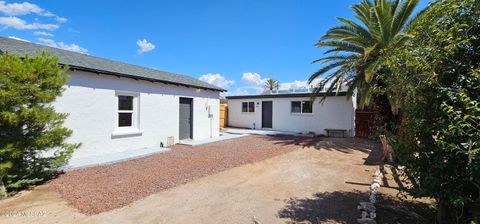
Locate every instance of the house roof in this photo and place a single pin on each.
(90, 63)
(284, 95)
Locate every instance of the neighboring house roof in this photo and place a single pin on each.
(283, 95)
(89, 63)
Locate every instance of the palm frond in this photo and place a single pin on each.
(402, 14)
(335, 58)
(325, 69)
(356, 49)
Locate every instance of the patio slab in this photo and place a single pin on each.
(223, 136)
(231, 133)
(112, 158)
(257, 132)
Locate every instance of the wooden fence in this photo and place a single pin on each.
(365, 123)
(223, 115)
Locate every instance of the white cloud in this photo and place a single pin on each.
(217, 80)
(60, 19)
(42, 33)
(18, 9)
(71, 30)
(253, 78)
(62, 45)
(144, 46)
(296, 84)
(17, 38)
(299, 84)
(244, 90)
(20, 24)
(255, 84)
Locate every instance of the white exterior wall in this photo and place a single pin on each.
(335, 113)
(91, 102)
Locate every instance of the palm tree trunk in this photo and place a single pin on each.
(386, 120)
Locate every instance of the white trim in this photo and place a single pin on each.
(301, 113)
(119, 132)
(248, 107)
(135, 128)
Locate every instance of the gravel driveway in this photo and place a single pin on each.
(99, 189)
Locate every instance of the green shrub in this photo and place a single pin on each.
(437, 80)
(32, 145)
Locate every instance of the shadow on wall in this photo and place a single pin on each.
(373, 149)
(341, 207)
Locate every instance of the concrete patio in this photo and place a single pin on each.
(112, 158)
(231, 133)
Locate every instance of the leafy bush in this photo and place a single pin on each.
(437, 80)
(32, 144)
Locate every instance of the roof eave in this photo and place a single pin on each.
(74, 67)
(285, 95)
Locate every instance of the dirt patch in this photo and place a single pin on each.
(99, 189)
(339, 207)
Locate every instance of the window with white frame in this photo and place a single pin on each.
(248, 107)
(127, 110)
(301, 107)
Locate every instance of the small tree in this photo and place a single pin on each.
(32, 138)
(271, 84)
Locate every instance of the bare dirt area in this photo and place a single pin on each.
(276, 179)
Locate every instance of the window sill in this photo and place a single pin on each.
(126, 132)
(301, 114)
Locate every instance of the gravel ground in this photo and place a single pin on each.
(103, 188)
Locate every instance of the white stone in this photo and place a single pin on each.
(364, 214)
(373, 198)
(375, 186)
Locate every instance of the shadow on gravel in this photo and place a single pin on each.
(341, 207)
(346, 145)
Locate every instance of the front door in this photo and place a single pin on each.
(185, 118)
(266, 114)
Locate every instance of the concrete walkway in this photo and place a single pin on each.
(111, 158)
(231, 133)
(257, 132)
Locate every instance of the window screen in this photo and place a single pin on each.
(125, 102)
(124, 119)
(306, 107)
(125, 111)
(296, 107)
(251, 107)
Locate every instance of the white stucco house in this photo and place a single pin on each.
(115, 106)
(294, 112)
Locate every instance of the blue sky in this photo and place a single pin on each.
(233, 44)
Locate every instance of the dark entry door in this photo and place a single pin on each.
(185, 118)
(267, 114)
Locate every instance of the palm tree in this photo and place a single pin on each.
(355, 51)
(271, 84)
